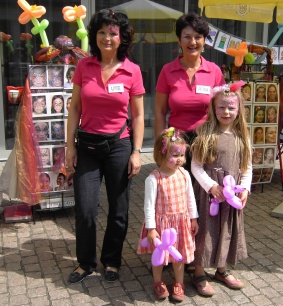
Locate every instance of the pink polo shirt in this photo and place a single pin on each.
(188, 105)
(103, 109)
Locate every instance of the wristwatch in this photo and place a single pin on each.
(137, 149)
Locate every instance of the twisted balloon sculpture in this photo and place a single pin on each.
(229, 191)
(77, 13)
(31, 13)
(168, 239)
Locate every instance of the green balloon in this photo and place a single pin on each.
(249, 58)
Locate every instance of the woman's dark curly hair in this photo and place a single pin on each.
(193, 20)
(108, 17)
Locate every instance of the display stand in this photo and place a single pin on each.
(261, 102)
(51, 92)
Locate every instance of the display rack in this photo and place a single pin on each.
(51, 92)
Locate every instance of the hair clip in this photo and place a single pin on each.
(170, 133)
(226, 88)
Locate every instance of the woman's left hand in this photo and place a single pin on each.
(134, 164)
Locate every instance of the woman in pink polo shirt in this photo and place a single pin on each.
(183, 86)
(105, 85)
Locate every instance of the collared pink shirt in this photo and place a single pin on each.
(103, 111)
(188, 108)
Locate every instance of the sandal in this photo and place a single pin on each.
(178, 292)
(111, 276)
(204, 290)
(160, 290)
(231, 283)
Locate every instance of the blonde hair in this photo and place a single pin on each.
(164, 143)
(204, 148)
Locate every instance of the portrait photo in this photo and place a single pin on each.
(260, 93)
(257, 156)
(69, 73)
(42, 129)
(256, 175)
(269, 156)
(248, 112)
(55, 76)
(39, 105)
(37, 77)
(57, 130)
(57, 104)
(247, 92)
(45, 156)
(259, 114)
(272, 114)
(271, 134)
(266, 175)
(45, 182)
(272, 93)
(258, 135)
(68, 100)
(58, 158)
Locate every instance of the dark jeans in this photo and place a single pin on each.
(87, 183)
(190, 138)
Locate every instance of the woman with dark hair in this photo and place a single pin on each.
(183, 86)
(104, 86)
(57, 104)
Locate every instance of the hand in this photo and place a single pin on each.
(71, 158)
(151, 235)
(194, 226)
(217, 193)
(243, 196)
(134, 164)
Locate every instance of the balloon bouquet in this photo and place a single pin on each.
(64, 52)
(229, 191)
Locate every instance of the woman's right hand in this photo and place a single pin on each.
(71, 158)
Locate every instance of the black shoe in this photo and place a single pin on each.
(111, 276)
(76, 277)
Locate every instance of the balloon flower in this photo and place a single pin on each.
(27, 37)
(31, 13)
(169, 238)
(7, 38)
(238, 53)
(229, 191)
(77, 13)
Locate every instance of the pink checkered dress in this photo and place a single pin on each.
(171, 211)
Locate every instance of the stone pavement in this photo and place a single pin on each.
(36, 259)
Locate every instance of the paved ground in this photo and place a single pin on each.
(36, 259)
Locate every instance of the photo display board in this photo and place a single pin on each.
(51, 96)
(261, 102)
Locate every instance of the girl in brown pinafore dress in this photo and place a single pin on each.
(221, 148)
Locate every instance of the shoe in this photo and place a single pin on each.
(76, 277)
(178, 292)
(231, 283)
(204, 290)
(111, 276)
(160, 290)
(189, 268)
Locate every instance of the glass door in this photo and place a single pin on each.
(17, 50)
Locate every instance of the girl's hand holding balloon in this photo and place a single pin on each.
(152, 234)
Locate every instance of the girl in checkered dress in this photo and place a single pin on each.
(170, 203)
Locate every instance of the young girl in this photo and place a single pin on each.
(269, 156)
(222, 147)
(170, 203)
